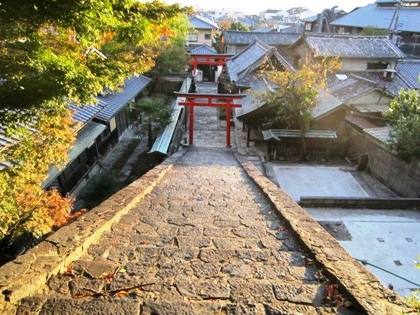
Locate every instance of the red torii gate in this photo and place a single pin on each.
(210, 59)
(212, 100)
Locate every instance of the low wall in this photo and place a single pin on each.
(398, 175)
(351, 276)
(358, 202)
(23, 276)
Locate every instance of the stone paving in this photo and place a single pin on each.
(207, 239)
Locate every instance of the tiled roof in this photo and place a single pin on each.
(272, 39)
(202, 23)
(5, 142)
(251, 103)
(327, 104)
(409, 71)
(85, 113)
(247, 59)
(348, 46)
(380, 17)
(251, 58)
(85, 137)
(113, 103)
(392, 87)
(345, 87)
(203, 50)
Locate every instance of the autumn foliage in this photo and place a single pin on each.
(25, 207)
(53, 53)
(297, 94)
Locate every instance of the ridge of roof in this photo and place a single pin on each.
(353, 46)
(204, 22)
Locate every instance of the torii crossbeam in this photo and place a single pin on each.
(213, 100)
(211, 59)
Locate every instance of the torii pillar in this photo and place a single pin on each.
(225, 101)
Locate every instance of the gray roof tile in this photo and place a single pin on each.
(113, 103)
(85, 113)
(349, 46)
(242, 65)
(351, 86)
(203, 50)
(272, 39)
(409, 71)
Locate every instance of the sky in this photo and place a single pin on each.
(257, 6)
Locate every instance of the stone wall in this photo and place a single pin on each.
(398, 175)
(23, 276)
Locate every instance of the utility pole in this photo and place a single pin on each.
(393, 27)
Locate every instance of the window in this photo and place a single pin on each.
(377, 66)
(207, 36)
(192, 37)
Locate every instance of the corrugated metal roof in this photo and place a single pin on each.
(370, 108)
(114, 102)
(276, 134)
(349, 46)
(202, 23)
(164, 139)
(381, 134)
(272, 39)
(380, 17)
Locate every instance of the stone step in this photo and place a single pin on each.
(232, 296)
(133, 305)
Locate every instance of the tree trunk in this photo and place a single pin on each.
(149, 133)
(302, 145)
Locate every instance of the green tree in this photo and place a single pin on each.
(48, 49)
(238, 26)
(157, 113)
(404, 117)
(296, 95)
(373, 31)
(170, 59)
(51, 52)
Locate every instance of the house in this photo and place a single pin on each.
(203, 70)
(114, 112)
(321, 22)
(383, 14)
(356, 53)
(245, 68)
(202, 32)
(401, 18)
(99, 128)
(234, 43)
(269, 14)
